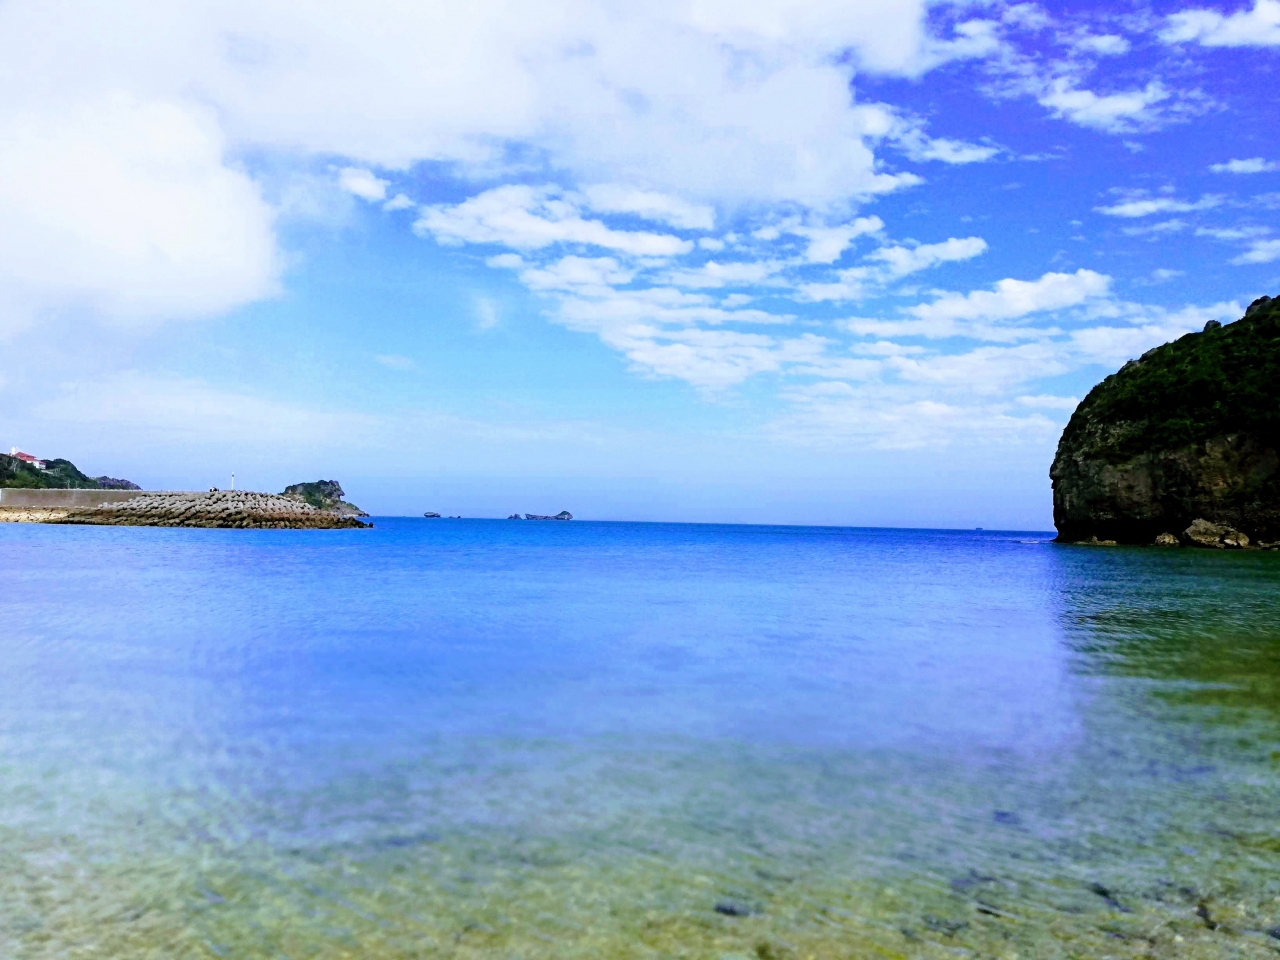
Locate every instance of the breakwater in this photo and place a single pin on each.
(226, 508)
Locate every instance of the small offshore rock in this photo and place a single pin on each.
(1168, 540)
(1215, 536)
(431, 515)
(514, 516)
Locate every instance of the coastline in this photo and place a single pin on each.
(220, 509)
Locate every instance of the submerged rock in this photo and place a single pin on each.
(1191, 431)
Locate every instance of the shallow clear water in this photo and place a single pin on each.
(489, 738)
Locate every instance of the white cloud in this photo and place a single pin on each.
(731, 274)
(575, 273)
(1147, 327)
(395, 361)
(362, 183)
(1252, 165)
(529, 218)
(1105, 44)
(487, 316)
(1009, 300)
(826, 244)
(399, 202)
(1046, 401)
(887, 264)
(1260, 251)
(1232, 233)
(126, 208)
(909, 135)
(1145, 207)
(1258, 26)
(1122, 112)
(900, 261)
(835, 412)
(121, 192)
(1155, 230)
(611, 198)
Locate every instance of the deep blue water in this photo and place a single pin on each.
(239, 674)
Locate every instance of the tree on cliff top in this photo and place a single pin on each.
(1225, 380)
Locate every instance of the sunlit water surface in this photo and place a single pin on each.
(501, 739)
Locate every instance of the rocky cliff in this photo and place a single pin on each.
(1191, 431)
(324, 495)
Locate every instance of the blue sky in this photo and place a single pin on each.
(805, 262)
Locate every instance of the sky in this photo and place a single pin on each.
(831, 262)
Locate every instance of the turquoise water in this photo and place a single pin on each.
(491, 738)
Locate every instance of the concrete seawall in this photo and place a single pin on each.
(63, 499)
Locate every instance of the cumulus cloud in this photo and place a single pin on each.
(123, 124)
(1258, 26)
(126, 208)
(1252, 165)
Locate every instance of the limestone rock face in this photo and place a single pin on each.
(1190, 432)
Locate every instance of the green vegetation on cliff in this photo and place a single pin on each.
(1189, 433)
(1225, 380)
(59, 475)
(323, 495)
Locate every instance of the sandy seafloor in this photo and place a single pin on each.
(513, 739)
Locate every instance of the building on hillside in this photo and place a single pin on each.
(28, 458)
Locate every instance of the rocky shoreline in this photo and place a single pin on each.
(222, 508)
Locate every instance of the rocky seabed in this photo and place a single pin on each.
(236, 509)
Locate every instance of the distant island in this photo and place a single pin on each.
(1181, 446)
(562, 515)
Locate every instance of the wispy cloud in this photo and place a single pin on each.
(529, 218)
(1146, 206)
(1260, 251)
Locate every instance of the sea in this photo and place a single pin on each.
(488, 738)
